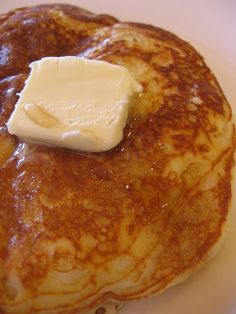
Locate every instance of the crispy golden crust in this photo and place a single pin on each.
(77, 229)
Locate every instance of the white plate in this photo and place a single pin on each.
(210, 26)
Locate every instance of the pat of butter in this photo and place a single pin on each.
(75, 103)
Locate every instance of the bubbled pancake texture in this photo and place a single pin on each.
(78, 229)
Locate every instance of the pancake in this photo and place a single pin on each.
(78, 230)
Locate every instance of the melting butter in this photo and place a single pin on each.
(74, 103)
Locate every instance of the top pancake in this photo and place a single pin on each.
(77, 229)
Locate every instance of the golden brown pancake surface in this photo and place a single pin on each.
(77, 229)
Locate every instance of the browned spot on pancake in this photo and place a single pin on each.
(101, 310)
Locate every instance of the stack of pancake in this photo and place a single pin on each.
(78, 230)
